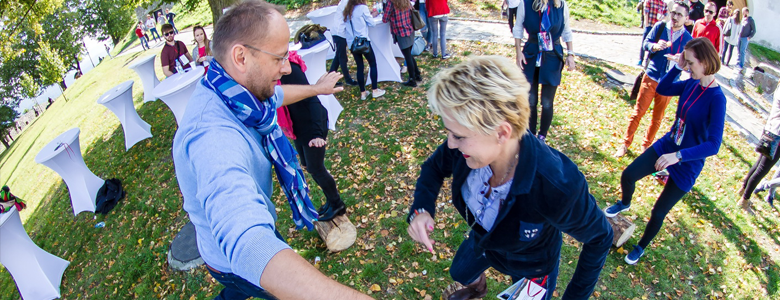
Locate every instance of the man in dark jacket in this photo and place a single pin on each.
(696, 12)
(748, 31)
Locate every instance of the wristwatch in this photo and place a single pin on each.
(679, 155)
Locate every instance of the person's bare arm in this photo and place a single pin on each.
(519, 56)
(289, 276)
(167, 71)
(324, 86)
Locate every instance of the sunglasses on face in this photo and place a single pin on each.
(168, 33)
(709, 12)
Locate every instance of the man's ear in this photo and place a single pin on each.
(239, 55)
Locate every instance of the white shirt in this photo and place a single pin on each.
(519, 31)
(340, 25)
(361, 20)
(513, 3)
(484, 209)
(150, 23)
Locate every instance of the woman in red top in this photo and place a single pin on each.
(399, 14)
(201, 53)
(139, 32)
(437, 17)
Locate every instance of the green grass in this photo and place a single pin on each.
(708, 247)
(764, 54)
(618, 12)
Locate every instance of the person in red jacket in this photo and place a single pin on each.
(437, 18)
(139, 32)
(708, 26)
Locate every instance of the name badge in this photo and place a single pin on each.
(184, 61)
(545, 41)
(679, 132)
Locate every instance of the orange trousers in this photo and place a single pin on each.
(646, 95)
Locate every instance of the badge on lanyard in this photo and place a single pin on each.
(680, 128)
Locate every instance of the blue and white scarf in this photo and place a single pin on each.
(261, 115)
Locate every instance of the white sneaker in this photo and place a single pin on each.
(378, 93)
(403, 69)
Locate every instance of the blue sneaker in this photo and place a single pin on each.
(615, 209)
(633, 257)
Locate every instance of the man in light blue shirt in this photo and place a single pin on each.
(224, 173)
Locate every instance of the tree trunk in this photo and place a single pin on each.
(338, 233)
(5, 143)
(623, 228)
(216, 9)
(63, 86)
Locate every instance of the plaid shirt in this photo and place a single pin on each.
(655, 10)
(400, 21)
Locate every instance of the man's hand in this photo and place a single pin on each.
(317, 142)
(665, 161)
(661, 45)
(420, 228)
(326, 84)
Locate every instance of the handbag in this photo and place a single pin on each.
(310, 35)
(768, 143)
(417, 20)
(359, 44)
(638, 80)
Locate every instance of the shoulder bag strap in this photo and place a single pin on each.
(656, 38)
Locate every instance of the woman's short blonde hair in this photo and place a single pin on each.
(482, 92)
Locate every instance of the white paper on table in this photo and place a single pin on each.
(184, 60)
(333, 107)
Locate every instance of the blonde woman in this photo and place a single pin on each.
(542, 57)
(515, 193)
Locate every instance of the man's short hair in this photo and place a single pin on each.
(243, 23)
(746, 9)
(166, 27)
(685, 5)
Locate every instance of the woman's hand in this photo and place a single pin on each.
(520, 60)
(317, 142)
(665, 161)
(681, 60)
(420, 228)
(570, 63)
(201, 59)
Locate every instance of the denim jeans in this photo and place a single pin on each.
(144, 43)
(154, 32)
(743, 46)
(438, 27)
(239, 288)
(467, 265)
(427, 29)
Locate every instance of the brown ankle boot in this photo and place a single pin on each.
(477, 289)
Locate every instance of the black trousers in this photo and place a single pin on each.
(361, 77)
(511, 14)
(313, 159)
(548, 96)
(340, 60)
(642, 166)
(411, 64)
(757, 172)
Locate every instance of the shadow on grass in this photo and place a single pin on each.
(129, 253)
(736, 153)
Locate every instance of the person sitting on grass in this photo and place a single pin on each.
(174, 54)
(227, 143)
(697, 133)
(517, 194)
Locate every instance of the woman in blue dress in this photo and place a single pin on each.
(541, 58)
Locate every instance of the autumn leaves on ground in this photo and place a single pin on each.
(707, 249)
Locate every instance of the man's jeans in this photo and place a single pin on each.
(743, 47)
(427, 29)
(154, 32)
(144, 43)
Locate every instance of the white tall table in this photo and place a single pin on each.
(382, 43)
(120, 101)
(314, 58)
(37, 273)
(63, 155)
(325, 16)
(176, 90)
(145, 69)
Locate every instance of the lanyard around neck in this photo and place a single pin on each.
(697, 98)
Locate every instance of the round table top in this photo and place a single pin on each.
(322, 12)
(142, 61)
(54, 147)
(177, 82)
(322, 46)
(115, 92)
(6, 215)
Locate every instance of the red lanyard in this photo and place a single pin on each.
(528, 288)
(697, 98)
(679, 45)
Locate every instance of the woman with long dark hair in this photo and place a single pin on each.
(399, 14)
(358, 19)
(733, 28)
(542, 60)
(696, 134)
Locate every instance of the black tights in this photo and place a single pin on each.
(642, 166)
(340, 60)
(313, 159)
(411, 64)
(757, 172)
(361, 79)
(548, 95)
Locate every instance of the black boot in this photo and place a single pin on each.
(323, 208)
(477, 289)
(333, 210)
(410, 83)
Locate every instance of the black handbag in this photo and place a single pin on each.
(638, 80)
(310, 35)
(768, 143)
(359, 44)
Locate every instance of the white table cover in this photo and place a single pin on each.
(382, 45)
(326, 16)
(176, 90)
(37, 273)
(120, 101)
(145, 69)
(63, 155)
(315, 67)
